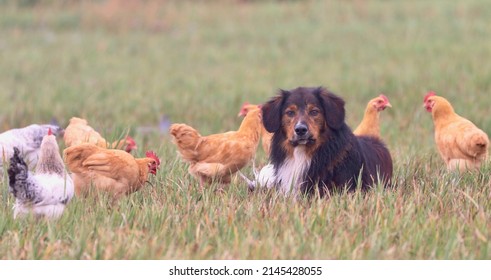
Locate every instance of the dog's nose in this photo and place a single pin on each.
(301, 129)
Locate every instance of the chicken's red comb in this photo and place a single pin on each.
(129, 139)
(384, 97)
(243, 111)
(50, 132)
(151, 154)
(429, 94)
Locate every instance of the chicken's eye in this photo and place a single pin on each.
(290, 113)
(314, 112)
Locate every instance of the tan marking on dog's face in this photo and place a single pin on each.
(315, 120)
(289, 119)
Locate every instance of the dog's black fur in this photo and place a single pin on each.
(338, 157)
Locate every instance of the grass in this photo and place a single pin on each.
(122, 68)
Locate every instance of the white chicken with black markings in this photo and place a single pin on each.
(46, 192)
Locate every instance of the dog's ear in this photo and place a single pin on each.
(334, 112)
(271, 112)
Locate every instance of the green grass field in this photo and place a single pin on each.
(121, 67)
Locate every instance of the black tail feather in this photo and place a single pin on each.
(18, 174)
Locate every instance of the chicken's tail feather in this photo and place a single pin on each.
(480, 142)
(18, 177)
(186, 139)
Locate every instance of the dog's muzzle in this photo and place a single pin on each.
(302, 135)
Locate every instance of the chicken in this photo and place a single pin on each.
(27, 140)
(265, 135)
(78, 131)
(265, 177)
(218, 156)
(113, 171)
(46, 192)
(460, 143)
(370, 125)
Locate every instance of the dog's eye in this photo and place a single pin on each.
(290, 113)
(314, 113)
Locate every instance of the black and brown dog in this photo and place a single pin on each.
(313, 147)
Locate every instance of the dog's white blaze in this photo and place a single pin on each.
(290, 174)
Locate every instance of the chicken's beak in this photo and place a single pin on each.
(388, 105)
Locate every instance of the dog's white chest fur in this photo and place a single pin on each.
(291, 173)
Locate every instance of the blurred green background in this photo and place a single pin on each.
(126, 62)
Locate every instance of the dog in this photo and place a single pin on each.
(314, 149)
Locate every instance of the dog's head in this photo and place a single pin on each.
(303, 115)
